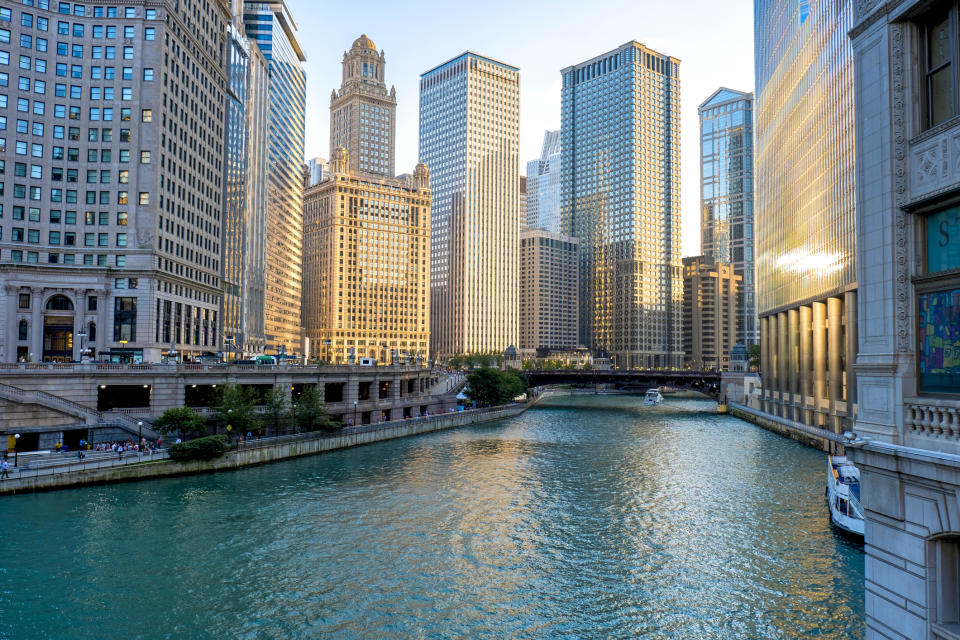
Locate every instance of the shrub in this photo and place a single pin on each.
(208, 448)
(180, 420)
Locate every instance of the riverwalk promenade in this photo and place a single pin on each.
(63, 471)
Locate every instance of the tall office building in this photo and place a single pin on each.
(272, 27)
(726, 195)
(363, 113)
(244, 224)
(523, 202)
(620, 195)
(318, 170)
(710, 312)
(110, 240)
(806, 210)
(543, 186)
(548, 290)
(366, 249)
(469, 137)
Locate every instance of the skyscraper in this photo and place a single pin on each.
(710, 312)
(318, 170)
(469, 137)
(113, 252)
(548, 290)
(543, 186)
(271, 26)
(806, 210)
(363, 113)
(620, 195)
(726, 195)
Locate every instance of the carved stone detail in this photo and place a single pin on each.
(901, 177)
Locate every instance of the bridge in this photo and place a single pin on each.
(709, 383)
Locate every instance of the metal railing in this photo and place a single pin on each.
(90, 462)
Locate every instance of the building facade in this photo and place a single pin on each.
(806, 240)
(549, 270)
(363, 113)
(620, 196)
(711, 313)
(469, 137)
(908, 362)
(271, 26)
(523, 202)
(366, 265)
(114, 150)
(726, 195)
(318, 170)
(244, 195)
(543, 176)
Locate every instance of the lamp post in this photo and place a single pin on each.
(81, 334)
(123, 350)
(355, 415)
(229, 426)
(326, 343)
(16, 453)
(139, 437)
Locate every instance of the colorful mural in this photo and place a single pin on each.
(939, 344)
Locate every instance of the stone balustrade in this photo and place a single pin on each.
(932, 418)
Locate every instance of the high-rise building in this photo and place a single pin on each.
(710, 312)
(543, 186)
(272, 27)
(363, 113)
(726, 195)
(549, 268)
(620, 196)
(469, 137)
(523, 202)
(318, 170)
(110, 240)
(243, 235)
(805, 210)
(908, 362)
(365, 262)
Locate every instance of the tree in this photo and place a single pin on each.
(276, 409)
(754, 353)
(235, 406)
(180, 420)
(310, 413)
(208, 448)
(491, 387)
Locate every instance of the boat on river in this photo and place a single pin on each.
(843, 495)
(652, 398)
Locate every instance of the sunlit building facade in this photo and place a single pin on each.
(620, 196)
(710, 312)
(549, 269)
(726, 196)
(543, 190)
(113, 156)
(469, 137)
(271, 26)
(806, 210)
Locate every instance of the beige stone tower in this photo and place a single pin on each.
(363, 113)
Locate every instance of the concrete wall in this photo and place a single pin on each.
(802, 433)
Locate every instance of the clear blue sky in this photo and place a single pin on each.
(714, 41)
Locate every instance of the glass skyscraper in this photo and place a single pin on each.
(469, 139)
(543, 186)
(726, 196)
(270, 25)
(620, 195)
(805, 209)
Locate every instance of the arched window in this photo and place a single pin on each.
(59, 303)
(92, 332)
(22, 330)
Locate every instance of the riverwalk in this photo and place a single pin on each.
(49, 475)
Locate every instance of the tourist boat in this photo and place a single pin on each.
(652, 398)
(843, 495)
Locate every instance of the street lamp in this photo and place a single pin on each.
(140, 437)
(327, 345)
(81, 334)
(355, 415)
(123, 350)
(16, 454)
(229, 427)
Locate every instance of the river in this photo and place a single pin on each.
(588, 517)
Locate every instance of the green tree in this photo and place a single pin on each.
(180, 420)
(236, 406)
(208, 448)
(754, 353)
(491, 387)
(276, 408)
(310, 413)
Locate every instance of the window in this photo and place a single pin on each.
(946, 606)
(125, 319)
(91, 303)
(23, 301)
(940, 64)
(146, 115)
(938, 304)
(22, 326)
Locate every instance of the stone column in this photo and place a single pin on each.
(771, 364)
(806, 372)
(835, 351)
(36, 324)
(79, 313)
(12, 324)
(793, 363)
(104, 326)
(852, 346)
(783, 361)
(819, 352)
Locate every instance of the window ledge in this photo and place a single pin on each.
(933, 132)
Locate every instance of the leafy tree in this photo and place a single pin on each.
(208, 448)
(180, 420)
(754, 353)
(276, 409)
(491, 387)
(310, 413)
(528, 365)
(236, 406)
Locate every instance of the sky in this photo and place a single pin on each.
(712, 39)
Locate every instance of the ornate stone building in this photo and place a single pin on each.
(363, 113)
(711, 312)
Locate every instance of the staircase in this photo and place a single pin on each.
(90, 416)
(448, 385)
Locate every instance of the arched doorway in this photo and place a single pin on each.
(58, 330)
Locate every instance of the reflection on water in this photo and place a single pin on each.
(589, 517)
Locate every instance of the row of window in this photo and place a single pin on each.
(6, 15)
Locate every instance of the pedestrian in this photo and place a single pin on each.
(58, 446)
(119, 453)
(79, 454)
(159, 442)
(4, 469)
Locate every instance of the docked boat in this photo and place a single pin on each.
(652, 398)
(843, 495)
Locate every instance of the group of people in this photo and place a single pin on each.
(121, 447)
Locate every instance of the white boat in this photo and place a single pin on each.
(652, 398)
(843, 495)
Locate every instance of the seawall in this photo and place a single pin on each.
(258, 452)
(811, 436)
